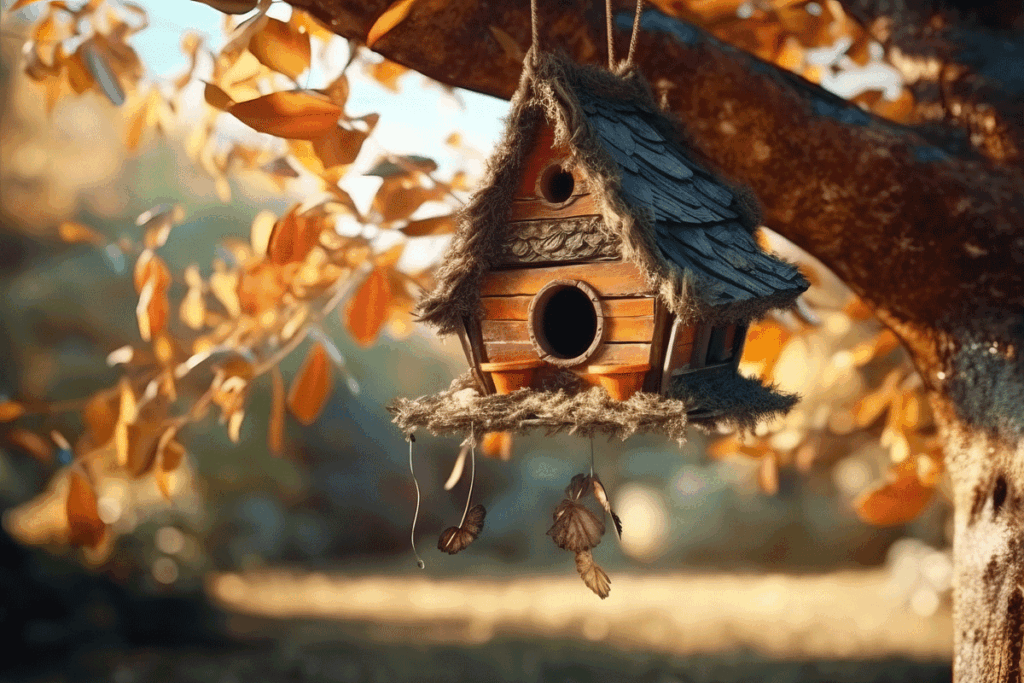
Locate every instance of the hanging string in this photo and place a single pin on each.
(535, 32)
(591, 456)
(472, 471)
(416, 514)
(636, 27)
(608, 23)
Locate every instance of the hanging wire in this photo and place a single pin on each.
(416, 514)
(636, 30)
(608, 24)
(472, 471)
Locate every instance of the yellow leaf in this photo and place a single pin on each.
(366, 311)
(303, 20)
(293, 237)
(281, 47)
(438, 225)
(339, 147)
(297, 114)
(101, 414)
(387, 73)
(193, 309)
(393, 16)
(156, 223)
(150, 267)
(170, 453)
(898, 499)
(311, 386)
(152, 311)
(338, 89)
(85, 528)
(259, 233)
(216, 97)
(76, 233)
(275, 427)
(10, 410)
(78, 73)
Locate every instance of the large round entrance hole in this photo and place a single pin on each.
(566, 323)
(556, 184)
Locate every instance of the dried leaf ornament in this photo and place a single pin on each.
(576, 528)
(456, 538)
(592, 574)
(602, 497)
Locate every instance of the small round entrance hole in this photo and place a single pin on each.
(556, 184)
(566, 323)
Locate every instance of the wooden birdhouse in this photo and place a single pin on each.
(602, 280)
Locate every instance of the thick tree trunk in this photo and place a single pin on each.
(926, 223)
(988, 479)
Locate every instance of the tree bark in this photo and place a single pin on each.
(924, 222)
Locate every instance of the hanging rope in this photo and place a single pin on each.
(472, 471)
(535, 32)
(636, 30)
(608, 23)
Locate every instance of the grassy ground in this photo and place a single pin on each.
(302, 627)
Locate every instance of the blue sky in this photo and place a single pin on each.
(416, 120)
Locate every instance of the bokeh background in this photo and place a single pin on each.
(298, 566)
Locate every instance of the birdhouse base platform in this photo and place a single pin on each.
(705, 400)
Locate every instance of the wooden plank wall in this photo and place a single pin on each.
(627, 305)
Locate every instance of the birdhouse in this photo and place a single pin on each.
(602, 279)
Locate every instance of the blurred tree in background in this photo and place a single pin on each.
(121, 345)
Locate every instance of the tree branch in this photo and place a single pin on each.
(866, 196)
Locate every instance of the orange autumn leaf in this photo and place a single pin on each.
(900, 498)
(311, 386)
(367, 310)
(497, 445)
(76, 233)
(100, 415)
(339, 147)
(392, 17)
(216, 97)
(438, 225)
(152, 310)
(295, 114)
(275, 428)
(10, 410)
(85, 528)
(151, 268)
(293, 237)
(281, 47)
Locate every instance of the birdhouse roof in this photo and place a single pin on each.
(688, 231)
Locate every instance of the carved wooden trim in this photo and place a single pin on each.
(550, 240)
(622, 279)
